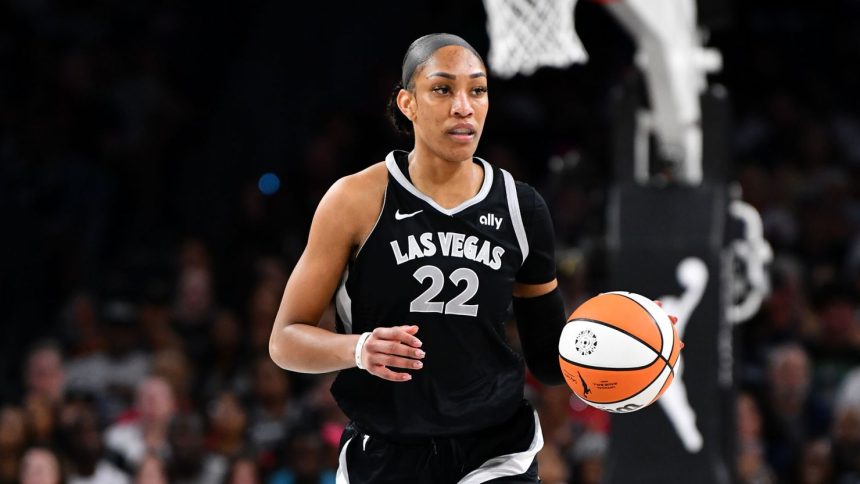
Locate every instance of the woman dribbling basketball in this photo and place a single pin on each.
(424, 253)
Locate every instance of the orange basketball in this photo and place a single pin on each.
(618, 351)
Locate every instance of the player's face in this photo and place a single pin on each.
(450, 103)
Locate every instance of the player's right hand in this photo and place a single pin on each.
(395, 347)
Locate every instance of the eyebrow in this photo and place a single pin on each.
(452, 76)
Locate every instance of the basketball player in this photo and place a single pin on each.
(426, 251)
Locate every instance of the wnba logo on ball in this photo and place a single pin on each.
(586, 342)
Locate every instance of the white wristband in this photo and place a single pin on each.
(358, 347)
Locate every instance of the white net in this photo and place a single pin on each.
(528, 34)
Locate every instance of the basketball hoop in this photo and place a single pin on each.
(528, 34)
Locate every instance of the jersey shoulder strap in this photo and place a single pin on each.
(515, 212)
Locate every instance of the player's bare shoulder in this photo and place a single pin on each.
(354, 201)
(369, 182)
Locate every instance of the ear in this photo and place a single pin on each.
(406, 104)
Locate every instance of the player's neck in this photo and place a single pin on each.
(448, 183)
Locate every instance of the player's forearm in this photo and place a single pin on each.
(309, 349)
(540, 321)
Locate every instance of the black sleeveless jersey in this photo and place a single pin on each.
(451, 273)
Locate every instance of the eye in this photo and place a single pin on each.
(479, 91)
(441, 90)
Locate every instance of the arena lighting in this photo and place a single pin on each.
(269, 183)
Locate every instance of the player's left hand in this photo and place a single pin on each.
(672, 318)
(392, 347)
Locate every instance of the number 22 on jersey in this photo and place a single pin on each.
(424, 303)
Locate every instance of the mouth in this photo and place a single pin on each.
(462, 132)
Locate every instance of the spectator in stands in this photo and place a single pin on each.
(144, 430)
(752, 467)
(816, 466)
(151, 471)
(849, 390)
(552, 464)
(45, 383)
(155, 317)
(303, 457)
(13, 440)
(589, 453)
(41, 415)
(846, 444)
(40, 466)
(793, 413)
(243, 470)
(273, 413)
(189, 462)
(261, 314)
(195, 303)
(87, 462)
(320, 407)
(44, 375)
(112, 374)
(225, 361)
(79, 326)
(177, 370)
(228, 425)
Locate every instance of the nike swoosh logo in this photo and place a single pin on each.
(401, 216)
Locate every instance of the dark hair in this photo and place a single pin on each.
(401, 123)
(43, 345)
(418, 53)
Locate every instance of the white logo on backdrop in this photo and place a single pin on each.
(692, 274)
(748, 289)
(753, 251)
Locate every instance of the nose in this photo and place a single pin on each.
(461, 107)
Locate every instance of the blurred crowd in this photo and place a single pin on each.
(797, 155)
(149, 264)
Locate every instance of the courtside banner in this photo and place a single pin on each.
(668, 243)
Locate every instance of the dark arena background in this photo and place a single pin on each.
(160, 163)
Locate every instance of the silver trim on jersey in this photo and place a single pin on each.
(342, 475)
(508, 464)
(343, 303)
(398, 175)
(516, 215)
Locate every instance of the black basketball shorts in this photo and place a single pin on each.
(504, 453)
